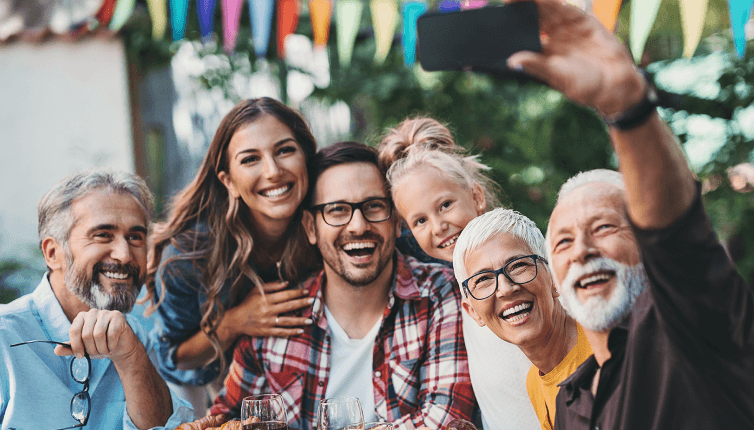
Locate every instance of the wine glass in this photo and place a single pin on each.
(263, 412)
(340, 413)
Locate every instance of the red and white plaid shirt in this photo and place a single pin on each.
(420, 371)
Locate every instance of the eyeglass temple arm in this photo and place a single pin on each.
(42, 341)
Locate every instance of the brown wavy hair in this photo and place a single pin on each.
(222, 251)
(424, 141)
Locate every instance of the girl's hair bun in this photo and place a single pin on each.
(412, 135)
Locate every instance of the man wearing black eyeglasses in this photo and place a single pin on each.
(386, 328)
(72, 358)
(507, 287)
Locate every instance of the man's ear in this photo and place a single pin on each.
(480, 201)
(472, 312)
(53, 254)
(224, 177)
(398, 225)
(310, 226)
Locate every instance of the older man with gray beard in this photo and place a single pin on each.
(93, 236)
(682, 357)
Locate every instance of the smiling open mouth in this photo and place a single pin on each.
(450, 241)
(360, 249)
(595, 280)
(517, 313)
(277, 192)
(115, 275)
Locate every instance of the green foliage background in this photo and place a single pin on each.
(531, 136)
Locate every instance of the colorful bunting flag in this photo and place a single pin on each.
(449, 6)
(158, 12)
(473, 4)
(260, 12)
(123, 10)
(206, 12)
(105, 12)
(178, 16)
(320, 13)
(693, 13)
(347, 26)
(231, 19)
(643, 16)
(740, 12)
(384, 20)
(411, 13)
(288, 11)
(607, 12)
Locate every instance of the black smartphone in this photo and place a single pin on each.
(479, 39)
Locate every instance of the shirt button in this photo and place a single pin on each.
(322, 384)
(164, 338)
(377, 374)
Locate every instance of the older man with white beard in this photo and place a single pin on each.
(93, 235)
(683, 356)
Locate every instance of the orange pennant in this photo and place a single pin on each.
(288, 11)
(607, 12)
(320, 12)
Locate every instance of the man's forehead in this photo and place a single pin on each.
(108, 207)
(587, 202)
(350, 182)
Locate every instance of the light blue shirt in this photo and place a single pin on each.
(36, 386)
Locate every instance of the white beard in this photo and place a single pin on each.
(599, 314)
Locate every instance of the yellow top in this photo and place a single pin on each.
(543, 389)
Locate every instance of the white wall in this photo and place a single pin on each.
(63, 108)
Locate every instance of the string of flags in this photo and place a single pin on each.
(386, 15)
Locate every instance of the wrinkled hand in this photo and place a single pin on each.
(264, 315)
(101, 334)
(581, 59)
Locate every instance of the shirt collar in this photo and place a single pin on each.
(51, 315)
(404, 287)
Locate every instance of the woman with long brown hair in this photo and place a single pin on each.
(231, 243)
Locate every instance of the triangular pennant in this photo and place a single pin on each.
(260, 13)
(473, 4)
(411, 12)
(123, 10)
(178, 15)
(231, 19)
(384, 20)
(320, 13)
(693, 13)
(347, 27)
(206, 12)
(643, 16)
(105, 12)
(449, 6)
(288, 11)
(158, 12)
(740, 11)
(607, 12)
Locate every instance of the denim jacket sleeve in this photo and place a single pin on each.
(178, 317)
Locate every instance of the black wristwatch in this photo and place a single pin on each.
(636, 115)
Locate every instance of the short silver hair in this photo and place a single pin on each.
(590, 176)
(604, 176)
(492, 224)
(54, 210)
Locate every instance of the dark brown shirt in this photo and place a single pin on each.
(684, 358)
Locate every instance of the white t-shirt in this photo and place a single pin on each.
(351, 366)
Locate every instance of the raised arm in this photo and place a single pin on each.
(589, 65)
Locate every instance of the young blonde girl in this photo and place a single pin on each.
(437, 191)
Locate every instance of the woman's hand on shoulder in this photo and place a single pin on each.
(267, 314)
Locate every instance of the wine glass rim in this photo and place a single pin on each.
(335, 400)
(258, 397)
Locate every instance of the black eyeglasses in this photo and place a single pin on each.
(81, 370)
(519, 271)
(340, 213)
